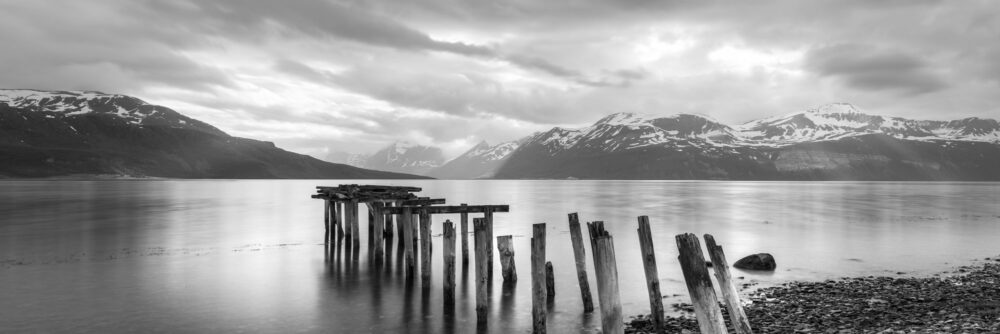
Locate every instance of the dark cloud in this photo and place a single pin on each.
(871, 68)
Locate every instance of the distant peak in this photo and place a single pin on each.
(623, 118)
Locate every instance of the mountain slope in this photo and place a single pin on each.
(405, 157)
(44, 134)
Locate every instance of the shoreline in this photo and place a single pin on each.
(966, 300)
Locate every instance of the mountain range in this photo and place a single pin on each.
(831, 142)
(84, 133)
(59, 133)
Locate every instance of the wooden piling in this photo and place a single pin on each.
(488, 214)
(326, 222)
(581, 264)
(652, 276)
(379, 227)
(699, 284)
(387, 222)
(355, 233)
(505, 246)
(550, 282)
(449, 264)
(479, 228)
(606, 269)
(337, 222)
(465, 234)
(538, 293)
(729, 294)
(425, 249)
(405, 220)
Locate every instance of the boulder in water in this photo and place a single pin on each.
(760, 261)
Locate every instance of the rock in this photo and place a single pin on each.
(760, 261)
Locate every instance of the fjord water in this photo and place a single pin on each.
(247, 256)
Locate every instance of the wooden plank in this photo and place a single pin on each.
(425, 249)
(465, 234)
(387, 221)
(455, 209)
(730, 296)
(449, 264)
(405, 220)
(606, 269)
(505, 245)
(423, 201)
(482, 311)
(652, 274)
(581, 265)
(699, 284)
(538, 306)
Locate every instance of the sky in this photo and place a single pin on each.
(322, 76)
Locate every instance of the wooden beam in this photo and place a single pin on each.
(538, 296)
(606, 270)
(423, 201)
(732, 298)
(652, 274)
(451, 209)
(699, 284)
(482, 304)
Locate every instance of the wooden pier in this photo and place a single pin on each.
(412, 215)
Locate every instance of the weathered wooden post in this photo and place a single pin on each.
(505, 245)
(449, 264)
(425, 248)
(379, 227)
(652, 275)
(405, 220)
(581, 264)
(355, 233)
(699, 284)
(465, 234)
(387, 222)
(482, 278)
(538, 309)
(729, 294)
(606, 269)
(326, 221)
(550, 282)
(488, 214)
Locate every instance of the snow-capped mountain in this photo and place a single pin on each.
(626, 131)
(841, 120)
(406, 157)
(835, 141)
(481, 161)
(59, 133)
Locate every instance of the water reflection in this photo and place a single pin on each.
(228, 256)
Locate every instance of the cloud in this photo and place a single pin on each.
(868, 67)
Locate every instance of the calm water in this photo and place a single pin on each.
(247, 256)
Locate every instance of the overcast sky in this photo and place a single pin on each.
(314, 76)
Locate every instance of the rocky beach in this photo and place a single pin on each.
(966, 300)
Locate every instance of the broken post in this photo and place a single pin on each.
(425, 249)
(449, 264)
(732, 298)
(538, 295)
(652, 276)
(699, 284)
(581, 264)
(550, 282)
(606, 269)
(465, 235)
(479, 228)
(505, 245)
